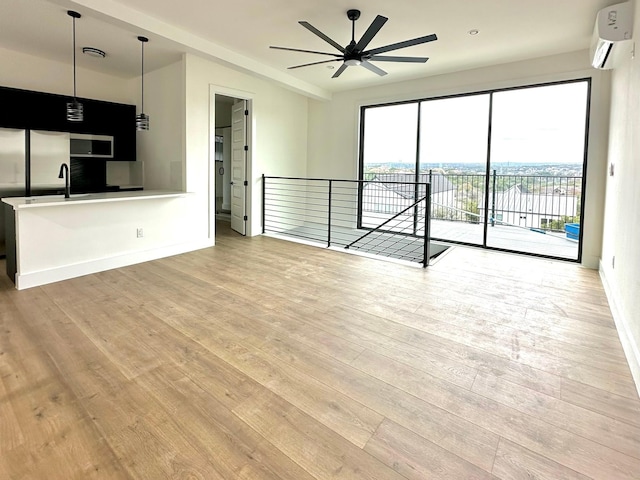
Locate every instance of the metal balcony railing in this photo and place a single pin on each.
(516, 204)
(330, 211)
(532, 201)
(337, 212)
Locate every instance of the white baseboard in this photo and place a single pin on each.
(43, 277)
(629, 345)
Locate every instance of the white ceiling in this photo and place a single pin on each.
(240, 32)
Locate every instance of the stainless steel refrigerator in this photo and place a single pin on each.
(29, 164)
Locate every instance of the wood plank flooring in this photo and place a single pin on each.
(265, 359)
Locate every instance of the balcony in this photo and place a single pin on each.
(386, 213)
(522, 213)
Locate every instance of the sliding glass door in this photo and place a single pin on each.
(505, 166)
(453, 158)
(536, 170)
(390, 163)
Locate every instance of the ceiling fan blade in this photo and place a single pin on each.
(373, 68)
(399, 45)
(315, 63)
(305, 51)
(380, 58)
(342, 68)
(371, 32)
(317, 32)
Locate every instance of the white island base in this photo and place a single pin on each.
(56, 238)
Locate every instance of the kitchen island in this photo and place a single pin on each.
(52, 238)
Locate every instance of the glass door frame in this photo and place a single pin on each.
(490, 92)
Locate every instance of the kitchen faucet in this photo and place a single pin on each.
(64, 169)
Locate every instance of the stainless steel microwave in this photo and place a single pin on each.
(90, 146)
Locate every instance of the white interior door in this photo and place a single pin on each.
(226, 165)
(238, 166)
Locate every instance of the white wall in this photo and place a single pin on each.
(29, 72)
(334, 125)
(161, 148)
(160, 162)
(621, 236)
(278, 130)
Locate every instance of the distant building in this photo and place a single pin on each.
(390, 193)
(518, 206)
(393, 192)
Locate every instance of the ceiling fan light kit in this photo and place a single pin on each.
(355, 54)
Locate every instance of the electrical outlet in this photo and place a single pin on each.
(139, 233)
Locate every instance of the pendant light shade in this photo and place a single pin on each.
(142, 119)
(75, 110)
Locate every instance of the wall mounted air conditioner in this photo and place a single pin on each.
(613, 24)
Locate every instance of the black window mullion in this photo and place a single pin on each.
(361, 173)
(416, 189)
(487, 174)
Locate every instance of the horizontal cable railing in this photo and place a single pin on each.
(329, 211)
(334, 211)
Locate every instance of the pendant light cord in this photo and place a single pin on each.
(74, 58)
(75, 110)
(142, 79)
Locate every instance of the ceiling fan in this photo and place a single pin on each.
(355, 54)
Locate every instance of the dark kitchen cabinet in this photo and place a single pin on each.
(116, 119)
(46, 111)
(10, 234)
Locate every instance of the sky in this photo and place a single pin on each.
(531, 125)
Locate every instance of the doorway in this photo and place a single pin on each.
(230, 161)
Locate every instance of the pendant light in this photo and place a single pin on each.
(75, 110)
(142, 120)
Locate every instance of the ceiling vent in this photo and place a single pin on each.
(613, 24)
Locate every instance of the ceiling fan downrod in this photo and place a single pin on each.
(353, 15)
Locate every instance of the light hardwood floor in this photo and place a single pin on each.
(265, 359)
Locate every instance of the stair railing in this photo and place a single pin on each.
(427, 224)
(332, 212)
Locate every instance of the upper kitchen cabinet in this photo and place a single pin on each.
(45, 111)
(115, 119)
(32, 110)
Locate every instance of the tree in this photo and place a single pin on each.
(471, 211)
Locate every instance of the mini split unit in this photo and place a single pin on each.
(613, 24)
